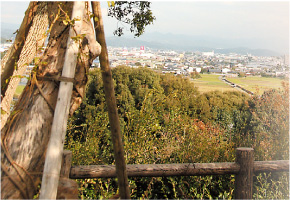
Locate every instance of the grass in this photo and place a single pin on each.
(19, 90)
(211, 82)
(258, 84)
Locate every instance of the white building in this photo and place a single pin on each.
(208, 54)
(198, 69)
(225, 70)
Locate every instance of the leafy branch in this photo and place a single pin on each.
(135, 13)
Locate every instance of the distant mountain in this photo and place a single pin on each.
(243, 51)
(171, 41)
(8, 29)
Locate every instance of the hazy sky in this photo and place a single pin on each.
(265, 21)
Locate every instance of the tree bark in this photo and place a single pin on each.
(156, 170)
(184, 169)
(25, 136)
(244, 179)
(54, 151)
(30, 37)
(112, 106)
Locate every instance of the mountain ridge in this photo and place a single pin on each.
(171, 41)
(183, 46)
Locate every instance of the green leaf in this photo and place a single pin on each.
(65, 22)
(3, 112)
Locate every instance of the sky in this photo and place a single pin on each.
(265, 22)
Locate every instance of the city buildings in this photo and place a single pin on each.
(185, 63)
(202, 62)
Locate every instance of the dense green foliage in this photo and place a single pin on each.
(164, 119)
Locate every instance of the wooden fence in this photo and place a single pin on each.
(244, 169)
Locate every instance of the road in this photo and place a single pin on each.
(236, 86)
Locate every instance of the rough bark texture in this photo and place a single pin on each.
(156, 170)
(244, 179)
(67, 188)
(112, 105)
(54, 152)
(185, 169)
(25, 136)
(271, 166)
(34, 40)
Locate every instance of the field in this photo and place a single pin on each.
(211, 82)
(19, 90)
(258, 84)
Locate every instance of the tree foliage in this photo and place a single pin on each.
(270, 124)
(135, 13)
(165, 119)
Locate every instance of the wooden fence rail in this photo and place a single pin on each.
(186, 169)
(155, 170)
(244, 168)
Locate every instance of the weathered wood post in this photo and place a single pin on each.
(52, 166)
(67, 188)
(66, 163)
(244, 178)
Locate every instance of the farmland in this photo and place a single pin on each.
(258, 84)
(211, 82)
(19, 90)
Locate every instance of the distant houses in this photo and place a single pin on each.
(185, 63)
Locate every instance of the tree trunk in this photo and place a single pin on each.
(112, 105)
(25, 136)
(29, 38)
(54, 153)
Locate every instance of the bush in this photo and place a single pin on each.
(164, 119)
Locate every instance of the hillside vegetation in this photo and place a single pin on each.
(165, 119)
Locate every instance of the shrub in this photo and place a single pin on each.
(164, 119)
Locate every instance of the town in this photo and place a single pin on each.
(190, 63)
(187, 63)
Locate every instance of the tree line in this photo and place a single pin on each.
(166, 119)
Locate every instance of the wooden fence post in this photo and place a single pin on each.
(244, 179)
(66, 164)
(67, 188)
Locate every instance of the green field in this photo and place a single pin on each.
(19, 90)
(211, 82)
(258, 84)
